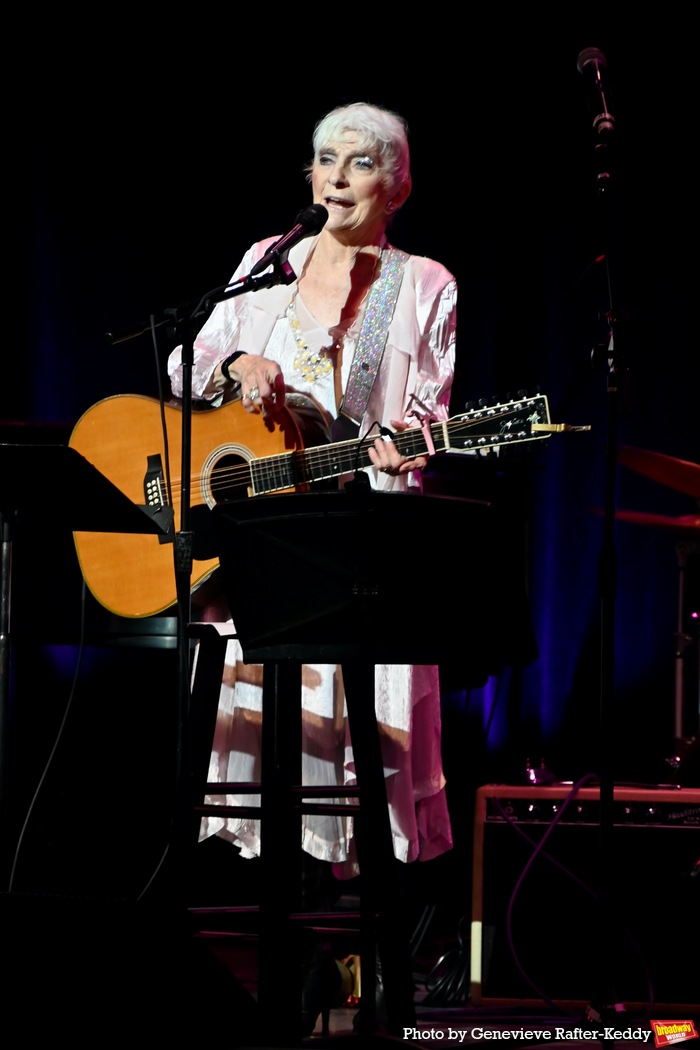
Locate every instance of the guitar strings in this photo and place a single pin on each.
(267, 467)
(239, 474)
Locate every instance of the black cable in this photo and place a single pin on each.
(59, 737)
(453, 985)
(539, 851)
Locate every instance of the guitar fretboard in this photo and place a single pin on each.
(481, 429)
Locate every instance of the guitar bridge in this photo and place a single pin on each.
(154, 494)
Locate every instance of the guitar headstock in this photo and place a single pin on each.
(489, 426)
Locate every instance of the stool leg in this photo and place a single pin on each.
(279, 963)
(195, 752)
(376, 855)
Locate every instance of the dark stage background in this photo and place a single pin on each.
(150, 159)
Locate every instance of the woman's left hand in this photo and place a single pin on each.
(388, 460)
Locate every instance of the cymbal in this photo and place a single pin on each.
(684, 525)
(677, 474)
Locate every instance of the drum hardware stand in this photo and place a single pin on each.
(684, 744)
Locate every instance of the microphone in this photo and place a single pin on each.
(592, 61)
(309, 221)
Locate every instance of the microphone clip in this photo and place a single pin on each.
(282, 272)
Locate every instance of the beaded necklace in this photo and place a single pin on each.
(311, 365)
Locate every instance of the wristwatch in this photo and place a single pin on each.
(227, 362)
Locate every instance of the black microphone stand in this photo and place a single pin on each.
(612, 357)
(183, 323)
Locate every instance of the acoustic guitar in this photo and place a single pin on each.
(235, 454)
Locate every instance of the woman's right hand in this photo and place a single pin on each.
(261, 379)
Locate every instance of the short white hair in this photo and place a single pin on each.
(381, 132)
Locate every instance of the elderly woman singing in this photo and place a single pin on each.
(300, 341)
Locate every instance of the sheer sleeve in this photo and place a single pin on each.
(429, 395)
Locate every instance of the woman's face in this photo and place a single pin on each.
(348, 182)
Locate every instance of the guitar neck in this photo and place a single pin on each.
(487, 427)
(303, 467)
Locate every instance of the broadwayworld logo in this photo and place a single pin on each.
(667, 1033)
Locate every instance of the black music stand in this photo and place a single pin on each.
(359, 578)
(56, 483)
(55, 480)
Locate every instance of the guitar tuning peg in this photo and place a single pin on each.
(483, 403)
(523, 393)
(470, 406)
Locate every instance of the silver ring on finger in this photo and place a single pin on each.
(254, 393)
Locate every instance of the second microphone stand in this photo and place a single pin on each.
(613, 357)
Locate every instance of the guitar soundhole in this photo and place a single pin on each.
(228, 480)
(225, 477)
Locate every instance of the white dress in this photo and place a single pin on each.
(415, 376)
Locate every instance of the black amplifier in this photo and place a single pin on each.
(541, 865)
(658, 807)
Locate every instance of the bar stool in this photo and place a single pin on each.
(283, 800)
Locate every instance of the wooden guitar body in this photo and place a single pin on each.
(134, 575)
